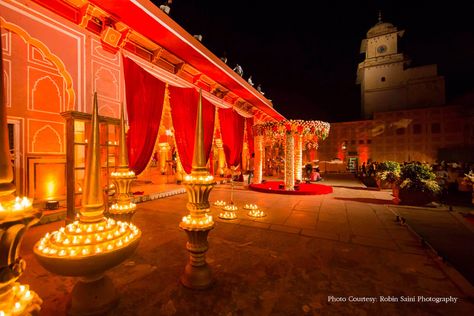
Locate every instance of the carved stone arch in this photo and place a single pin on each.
(106, 84)
(70, 94)
(43, 91)
(106, 110)
(48, 139)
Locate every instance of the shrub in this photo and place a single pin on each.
(388, 171)
(418, 177)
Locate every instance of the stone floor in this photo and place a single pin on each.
(291, 262)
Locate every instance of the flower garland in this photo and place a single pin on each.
(312, 131)
(305, 128)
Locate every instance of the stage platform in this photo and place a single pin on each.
(276, 187)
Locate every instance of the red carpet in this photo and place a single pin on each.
(304, 188)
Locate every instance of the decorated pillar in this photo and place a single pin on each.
(164, 150)
(298, 157)
(198, 224)
(258, 163)
(289, 161)
(91, 245)
(123, 208)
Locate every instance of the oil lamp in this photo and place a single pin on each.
(197, 274)
(254, 211)
(91, 245)
(220, 203)
(123, 209)
(16, 216)
(229, 212)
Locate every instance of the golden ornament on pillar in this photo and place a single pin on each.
(93, 244)
(16, 216)
(123, 208)
(197, 274)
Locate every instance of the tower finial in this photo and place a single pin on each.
(123, 154)
(92, 198)
(199, 159)
(380, 16)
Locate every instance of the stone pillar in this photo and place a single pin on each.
(298, 157)
(258, 160)
(289, 161)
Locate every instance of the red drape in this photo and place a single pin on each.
(249, 122)
(232, 130)
(145, 95)
(183, 103)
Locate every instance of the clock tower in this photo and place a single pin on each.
(386, 80)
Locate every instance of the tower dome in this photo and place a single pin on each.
(381, 28)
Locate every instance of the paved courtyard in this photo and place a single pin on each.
(307, 253)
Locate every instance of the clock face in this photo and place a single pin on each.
(381, 49)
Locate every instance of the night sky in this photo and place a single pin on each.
(305, 53)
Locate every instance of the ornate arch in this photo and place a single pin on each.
(70, 94)
(44, 129)
(46, 79)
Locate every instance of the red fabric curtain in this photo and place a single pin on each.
(249, 122)
(183, 103)
(232, 130)
(145, 95)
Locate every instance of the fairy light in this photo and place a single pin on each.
(123, 174)
(203, 221)
(87, 239)
(220, 203)
(199, 179)
(256, 213)
(251, 207)
(229, 212)
(126, 207)
(16, 207)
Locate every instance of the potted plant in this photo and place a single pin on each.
(417, 185)
(470, 177)
(388, 172)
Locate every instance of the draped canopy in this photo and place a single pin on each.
(145, 95)
(183, 103)
(232, 130)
